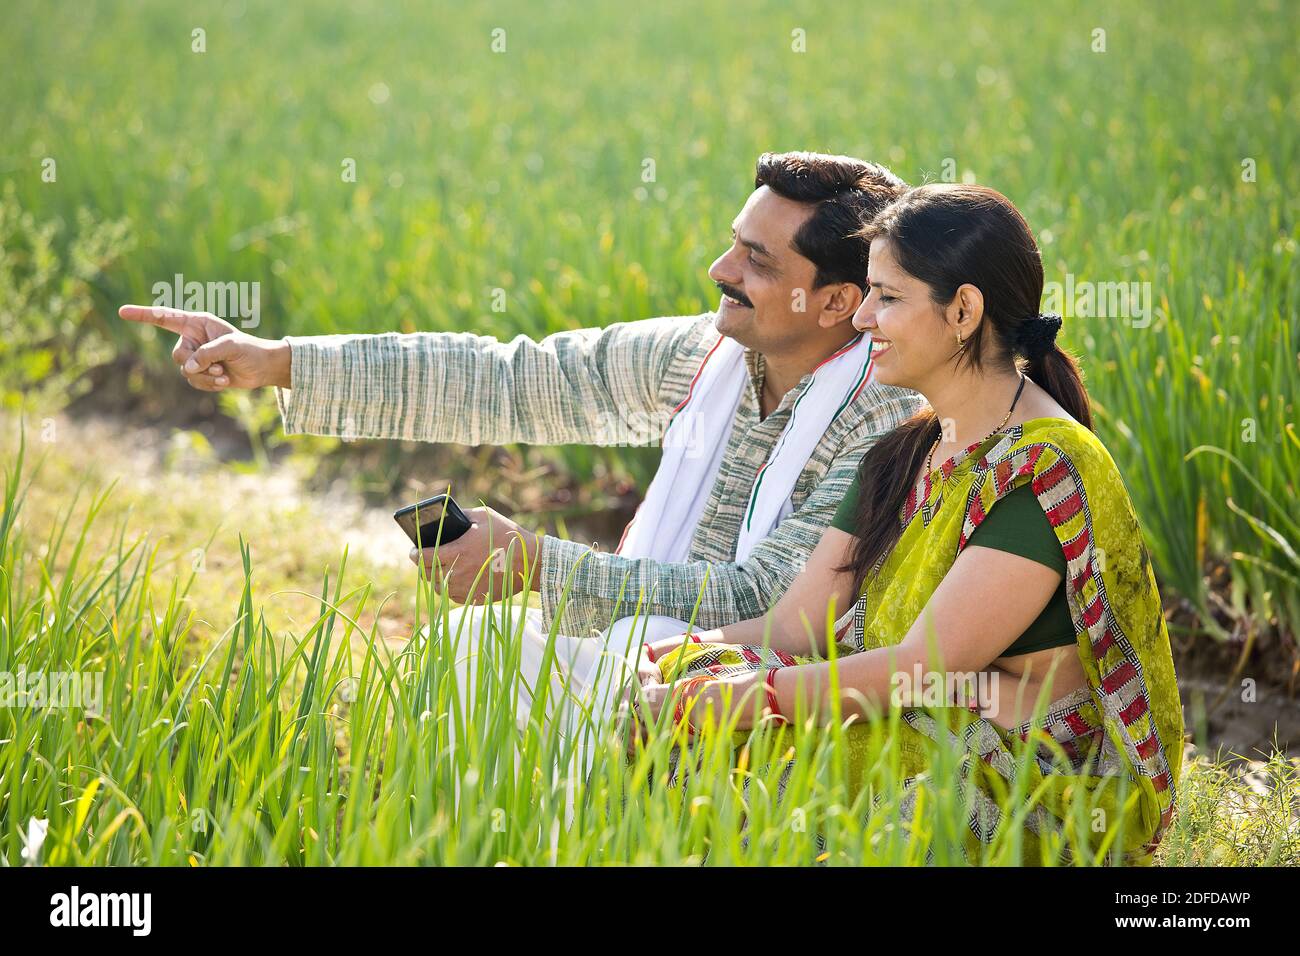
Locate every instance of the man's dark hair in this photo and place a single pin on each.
(847, 194)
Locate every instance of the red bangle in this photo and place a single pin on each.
(695, 638)
(773, 706)
(679, 710)
(649, 652)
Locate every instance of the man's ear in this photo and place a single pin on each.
(841, 302)
(966, 310)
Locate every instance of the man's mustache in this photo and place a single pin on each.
(735, 293)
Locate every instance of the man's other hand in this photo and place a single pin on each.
(458, 563)
(213, 354)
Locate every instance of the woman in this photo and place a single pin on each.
(992, 528)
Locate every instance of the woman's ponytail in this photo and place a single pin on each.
(1051, 367)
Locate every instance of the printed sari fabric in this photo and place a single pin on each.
(1119, 738)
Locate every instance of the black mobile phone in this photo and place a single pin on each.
(423, 521)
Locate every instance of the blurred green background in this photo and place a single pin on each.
(1159, 150)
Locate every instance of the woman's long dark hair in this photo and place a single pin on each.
(947, 235)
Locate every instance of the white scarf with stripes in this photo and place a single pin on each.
(697, 436)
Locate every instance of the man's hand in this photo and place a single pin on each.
(492, 535)
(213, 354)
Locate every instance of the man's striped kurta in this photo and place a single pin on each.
(616, 385)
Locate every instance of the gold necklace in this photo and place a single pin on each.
(929, 459)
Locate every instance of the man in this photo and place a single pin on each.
(751, 474)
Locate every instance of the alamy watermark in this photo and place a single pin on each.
(1084, 299)
(55, 690)
(928, 688)
(133, 911)
(229, 300)
(685, 429)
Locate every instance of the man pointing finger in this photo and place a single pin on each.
(212, 353)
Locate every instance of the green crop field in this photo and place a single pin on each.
(522, 167)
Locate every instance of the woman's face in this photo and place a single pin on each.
(912, 340)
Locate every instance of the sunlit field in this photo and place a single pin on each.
(515, 168)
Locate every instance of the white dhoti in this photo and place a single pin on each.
(586, 674)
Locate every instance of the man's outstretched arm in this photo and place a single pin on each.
(588, 386)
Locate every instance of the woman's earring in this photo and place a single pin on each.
(961, 343)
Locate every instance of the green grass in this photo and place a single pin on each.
(523, 171)
(329, 745)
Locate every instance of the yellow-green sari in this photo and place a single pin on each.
(1120, 735)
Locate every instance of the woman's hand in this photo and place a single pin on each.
(647, 665)
(656, 650)
(697, 698)
(647, 671)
